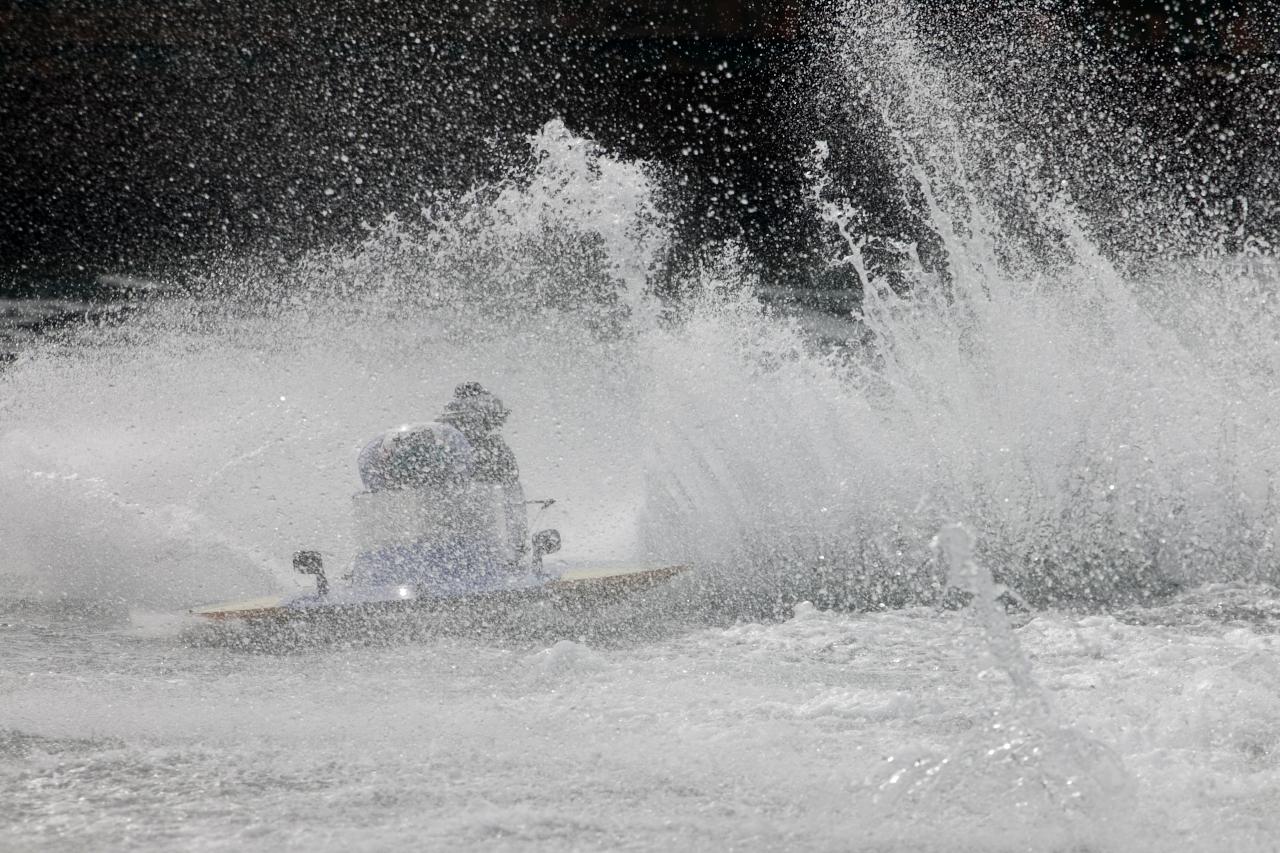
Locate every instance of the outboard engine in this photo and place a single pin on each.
(416, 456)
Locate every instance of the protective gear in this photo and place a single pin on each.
(475, 410)
(478, 414)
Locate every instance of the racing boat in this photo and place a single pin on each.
(432, 539)
(411, 574)
(551, 604)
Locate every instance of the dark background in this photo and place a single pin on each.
(143, 135)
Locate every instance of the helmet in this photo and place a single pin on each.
(475, 409)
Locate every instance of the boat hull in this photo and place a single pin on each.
(525, 605)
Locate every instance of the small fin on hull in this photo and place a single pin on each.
(620, 581)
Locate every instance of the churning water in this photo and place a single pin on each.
(1093, 442)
